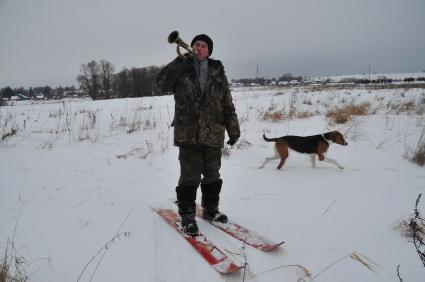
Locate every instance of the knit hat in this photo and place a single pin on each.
(206, 39)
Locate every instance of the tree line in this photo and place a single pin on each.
(267, 81)
(31, 92)
(99, 80)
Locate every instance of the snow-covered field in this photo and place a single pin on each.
(373, 76)
(77, 173)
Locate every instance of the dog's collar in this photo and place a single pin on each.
(327, 140)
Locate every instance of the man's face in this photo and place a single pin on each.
(201, 50)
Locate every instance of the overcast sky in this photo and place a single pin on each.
(45, 41)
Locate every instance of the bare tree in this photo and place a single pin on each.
(122, 83)
(98, 80)
(48, 92)
(7, 92)
(148, 77)
(136, 82)
(107, 77)
(89, 79)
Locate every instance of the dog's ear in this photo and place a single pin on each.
(332, 136)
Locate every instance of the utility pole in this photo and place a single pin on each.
(369, 72)
(257, 70)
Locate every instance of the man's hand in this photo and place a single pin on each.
(232, 141)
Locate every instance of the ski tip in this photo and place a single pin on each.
(271, 247)
(227, 267)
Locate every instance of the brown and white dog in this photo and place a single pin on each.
(313, 145)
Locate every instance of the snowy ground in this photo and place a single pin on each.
(76, 173)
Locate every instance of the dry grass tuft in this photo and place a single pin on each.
(12, 266)
(305, 275)
(418, 156)
(98, 256)
(343, 114)
(338, 116)
(302, 272)
(8, 134)
(406, 107)
(409, 107)
(365, 261)
(413, 227)
(300, 115)
(274, 116)
(358, 110)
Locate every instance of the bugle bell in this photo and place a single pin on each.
(175, 38)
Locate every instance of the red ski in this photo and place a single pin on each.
(239, 232)
(211, 253)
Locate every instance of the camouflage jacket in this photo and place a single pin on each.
(199, 119)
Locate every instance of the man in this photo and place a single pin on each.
(203, 111)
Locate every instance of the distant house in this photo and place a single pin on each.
(69, 93)
(22, 97)
(39, 96)
(236, 84)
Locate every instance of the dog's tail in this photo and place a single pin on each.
(270, 139)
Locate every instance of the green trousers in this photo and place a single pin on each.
(199, 164)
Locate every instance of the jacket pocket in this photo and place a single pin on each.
(218, 133)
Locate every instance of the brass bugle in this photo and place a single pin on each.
(175, 38)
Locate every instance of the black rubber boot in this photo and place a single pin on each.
(186, 196)
(210, 201)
